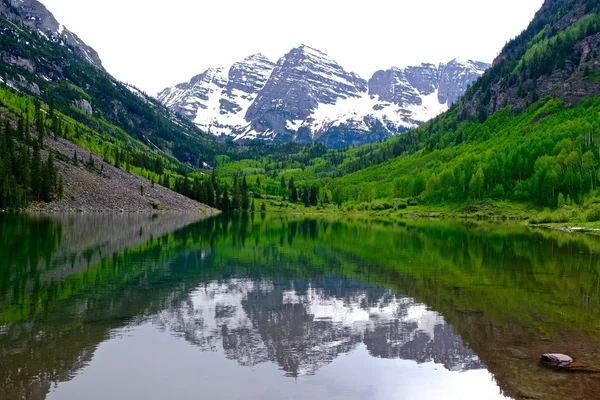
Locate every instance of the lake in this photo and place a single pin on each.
(292, 307)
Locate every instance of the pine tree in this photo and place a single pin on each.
(36, 174)
(90, 163)
(48, 179)
(51, 108)
(225, 203)
(236, 203)
(60, 189)
(313, 196)
(210, 192)
(306, 197)
(245, 197)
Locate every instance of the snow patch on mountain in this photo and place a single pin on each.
(306, 94)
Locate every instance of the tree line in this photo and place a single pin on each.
(24, 173)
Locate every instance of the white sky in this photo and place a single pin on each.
(156, 43)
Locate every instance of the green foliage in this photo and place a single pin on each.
(543, 56)
(561, 200)
(24, 175)
(531, 157)
(593, 215)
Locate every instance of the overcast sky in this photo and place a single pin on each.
(156, 43)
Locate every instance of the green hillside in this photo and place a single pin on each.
(539, 145)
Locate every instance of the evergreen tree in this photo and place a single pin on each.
(60, 189)
(225, 202)
(48, 179)
(209, 190)
(236, 202)
(36, 174)
(51, 108)
(306, 197)
(90, 163)
(219, 198)
(245, 201)
(313, 196)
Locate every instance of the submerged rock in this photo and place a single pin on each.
(556, 359)
(566, 363)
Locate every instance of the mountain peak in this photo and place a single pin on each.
(307, 94)
(310, 53)
(257, 57)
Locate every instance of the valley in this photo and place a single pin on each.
(280, 226)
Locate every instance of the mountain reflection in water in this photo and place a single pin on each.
(304, 325)
(271, 307)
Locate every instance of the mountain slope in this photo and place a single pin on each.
(36, 16)
(553, 57)
(308, 97)
(53, 85)
(41, 58)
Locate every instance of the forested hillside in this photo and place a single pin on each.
(537, 143)
(24, 174)
(39, 64)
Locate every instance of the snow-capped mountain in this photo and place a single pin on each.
(307, 96)
(218, 99)
(304, 326)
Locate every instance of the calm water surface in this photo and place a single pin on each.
(286, 307)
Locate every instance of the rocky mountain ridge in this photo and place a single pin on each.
(36, 16)
(307, 96)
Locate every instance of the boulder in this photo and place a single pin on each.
(84, 106)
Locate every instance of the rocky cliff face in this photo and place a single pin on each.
(308, 97)
(36, 16)
(217, 99)
(456, 76)
(303, 79)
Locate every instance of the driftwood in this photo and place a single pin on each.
(563, 362)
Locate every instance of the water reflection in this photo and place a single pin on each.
(349, 309)
(304, 325)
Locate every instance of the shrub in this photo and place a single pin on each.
(593, 214)
(381, 205)
(399, 204)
